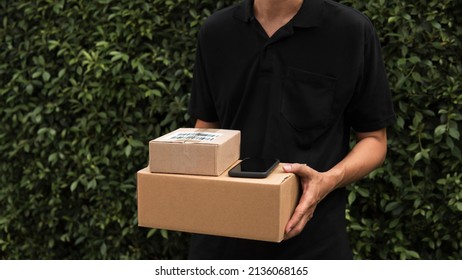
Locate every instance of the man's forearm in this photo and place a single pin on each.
(368, 154)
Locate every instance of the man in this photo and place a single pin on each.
(295, 77)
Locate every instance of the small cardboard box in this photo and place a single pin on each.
(256, 209)
(195, 151)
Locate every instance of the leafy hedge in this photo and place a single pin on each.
(86, 84)
(412, 206)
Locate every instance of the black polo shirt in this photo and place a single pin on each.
(294, 96)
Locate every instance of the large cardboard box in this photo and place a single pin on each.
(256, 209)
(195, 151)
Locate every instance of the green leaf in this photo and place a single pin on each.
(118, 56)
(45, 76)
(87, 55)
(128, 150)
(392, 206)
(413, 147)
(103, 249)
(363, 192)
(29, 88)
(92, 184)
(453, 130)
(351, 197)
(36, 74)
(61, 73)
(414, 59)
(459, 206)
(416, 76)
(164, 233)
(394, 223)
(413, 254)
(440, 130)
(151, 232)
(74, 185)
(418, 157)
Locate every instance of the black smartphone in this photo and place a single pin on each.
(253, 168)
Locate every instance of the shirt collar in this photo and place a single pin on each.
(310, 13)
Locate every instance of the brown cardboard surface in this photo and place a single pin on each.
(235, 207)
(175, 153)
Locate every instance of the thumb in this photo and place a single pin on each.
(298, 169)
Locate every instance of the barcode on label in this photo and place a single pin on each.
(195, 136)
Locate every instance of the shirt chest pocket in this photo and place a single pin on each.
(307, 99)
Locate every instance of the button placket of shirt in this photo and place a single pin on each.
(267, 56)
(266, 61)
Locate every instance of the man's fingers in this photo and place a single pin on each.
(300, 217)
(296, 224)
(297, 216)
(305, 208)
(302, 170)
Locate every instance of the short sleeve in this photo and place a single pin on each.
(371, 107)
(201, 105)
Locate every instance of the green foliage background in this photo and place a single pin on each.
(84, 85)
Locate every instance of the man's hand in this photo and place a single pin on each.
(368, 154)
(315, 186)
